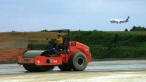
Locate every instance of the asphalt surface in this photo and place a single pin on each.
(99, 71)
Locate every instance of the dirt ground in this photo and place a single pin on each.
(10, 55)
(133, 76)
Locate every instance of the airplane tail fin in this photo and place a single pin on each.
(127, 19)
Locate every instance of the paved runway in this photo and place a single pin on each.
(99, 71)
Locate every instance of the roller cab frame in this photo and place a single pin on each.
(72, 55)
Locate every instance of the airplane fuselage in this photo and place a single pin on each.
(119, 21)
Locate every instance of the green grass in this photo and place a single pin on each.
(7, 62)
(38, 46)
(113, 44)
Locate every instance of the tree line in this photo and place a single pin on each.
(136, 28)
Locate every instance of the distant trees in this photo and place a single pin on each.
(13, 31)
(126, 30)
(45, 30)
(138, 28)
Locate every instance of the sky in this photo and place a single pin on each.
(36, 15)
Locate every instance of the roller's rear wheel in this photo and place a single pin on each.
(78, 61)
(34, 68)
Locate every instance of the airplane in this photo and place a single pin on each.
(119, 21)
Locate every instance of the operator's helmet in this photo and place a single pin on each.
(59, 34)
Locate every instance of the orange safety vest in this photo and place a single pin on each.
(59, 40)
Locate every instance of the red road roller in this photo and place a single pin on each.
(70, 55)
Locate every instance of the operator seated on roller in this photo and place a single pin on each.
(59, 41)
(56, 48)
